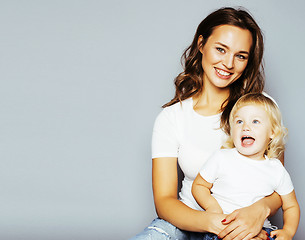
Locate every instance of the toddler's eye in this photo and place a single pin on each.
(255, 121)
(239, 121)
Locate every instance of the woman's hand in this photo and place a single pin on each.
(245, 223)
(263, 235)
(214, 220)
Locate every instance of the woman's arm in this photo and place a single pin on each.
(202, 194)
(291, 215)
(169, 208)
(245, 223)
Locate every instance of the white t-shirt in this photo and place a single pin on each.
(181, 132)
(239, 181)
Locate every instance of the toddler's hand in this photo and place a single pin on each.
(281, 234)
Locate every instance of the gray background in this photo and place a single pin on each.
(81, 85)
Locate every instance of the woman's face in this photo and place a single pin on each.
(225, 55)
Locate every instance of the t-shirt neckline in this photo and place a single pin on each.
(250, 159)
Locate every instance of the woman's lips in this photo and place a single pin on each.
(222, 73)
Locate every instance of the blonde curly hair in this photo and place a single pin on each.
(276, 145)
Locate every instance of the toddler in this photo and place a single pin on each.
(248, 169)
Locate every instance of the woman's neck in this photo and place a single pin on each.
(210, 100)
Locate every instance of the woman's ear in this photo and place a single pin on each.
(199, 43)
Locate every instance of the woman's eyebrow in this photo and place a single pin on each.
(225, 46)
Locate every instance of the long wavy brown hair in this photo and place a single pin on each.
(190, 83)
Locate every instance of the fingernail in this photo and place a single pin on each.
(267, 234)
(224, 220)
(268, 238)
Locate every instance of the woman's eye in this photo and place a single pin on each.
(241, 57)
(255, 121)
(220, 50)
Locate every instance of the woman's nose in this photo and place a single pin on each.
(228, 61)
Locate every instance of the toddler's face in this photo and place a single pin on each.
(251, 131)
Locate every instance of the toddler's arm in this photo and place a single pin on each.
(202, 194)
(291, 217)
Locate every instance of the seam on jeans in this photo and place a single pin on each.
(159, 230)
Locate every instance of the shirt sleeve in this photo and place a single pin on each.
(164, 137)
(210, 169)
(285, 185)
(268, 96)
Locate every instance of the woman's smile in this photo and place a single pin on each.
(222, 73)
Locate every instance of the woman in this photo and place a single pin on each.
(222, 63)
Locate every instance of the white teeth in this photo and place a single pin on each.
(222, 72)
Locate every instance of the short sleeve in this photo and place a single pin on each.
(268, 96)
(210, 169)
(285, 185)
(164, 137)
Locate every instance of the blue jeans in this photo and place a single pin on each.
(212, 236)
(160, 229)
